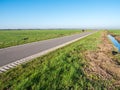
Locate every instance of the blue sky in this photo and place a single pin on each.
(59, 14)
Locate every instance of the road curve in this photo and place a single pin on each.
(35, 49)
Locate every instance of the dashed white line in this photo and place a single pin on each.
(10, 66)
(2, 69)
(6, 67)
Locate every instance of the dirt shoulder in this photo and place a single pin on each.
(102, 62)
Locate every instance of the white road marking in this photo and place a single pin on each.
(10, 66)
(6, 67)
(3, 70)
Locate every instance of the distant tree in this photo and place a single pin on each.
(83, 30)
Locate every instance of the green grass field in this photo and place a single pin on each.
(115, 32)
(17, 37)
(63, 69)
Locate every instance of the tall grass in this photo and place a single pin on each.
(17, 37)
(63, 69)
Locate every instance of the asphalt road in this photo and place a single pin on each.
(12, 54)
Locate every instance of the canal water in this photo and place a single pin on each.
(115, 42)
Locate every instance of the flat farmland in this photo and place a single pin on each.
(115, 32)
(87, 64)
(16, 37)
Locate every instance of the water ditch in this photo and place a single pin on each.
(115, 42)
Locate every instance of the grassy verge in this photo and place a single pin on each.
(63, 69)
(17, 37)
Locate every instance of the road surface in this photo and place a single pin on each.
(22, 52)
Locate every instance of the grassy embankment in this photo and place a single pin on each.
(63, 69)
(17, 37)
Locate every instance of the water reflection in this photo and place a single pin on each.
(115, 42)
